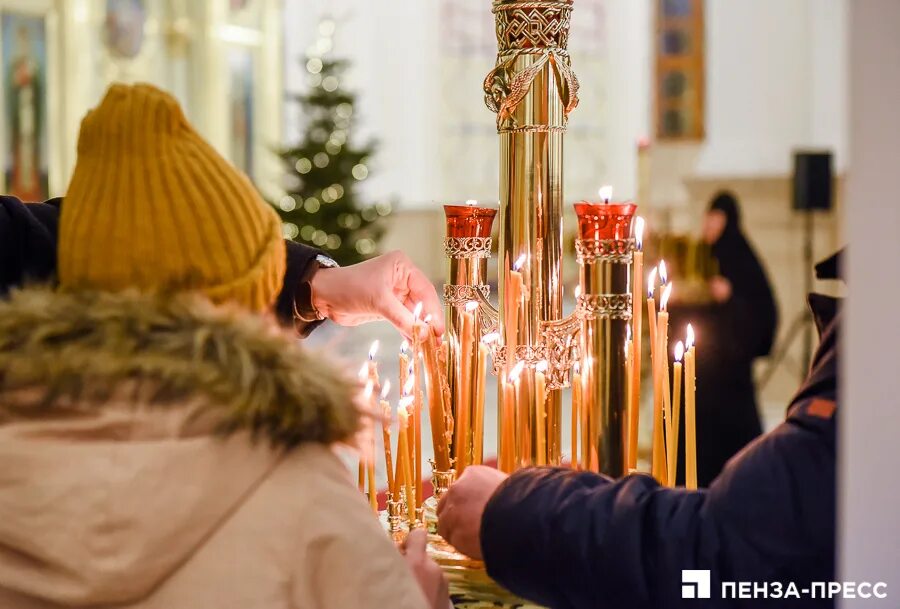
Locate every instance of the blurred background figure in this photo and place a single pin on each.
(737, 328)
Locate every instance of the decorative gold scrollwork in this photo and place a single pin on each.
(459, 295)
(561, 338)
(467, 247)
(604, 306)
(504, 88)
(524, 24)
(607, 250)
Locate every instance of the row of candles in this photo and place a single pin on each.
(423, 360)
(458, 429)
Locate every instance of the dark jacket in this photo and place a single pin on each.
(28, 239)
(569, 539)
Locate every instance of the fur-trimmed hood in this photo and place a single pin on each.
(131, 426)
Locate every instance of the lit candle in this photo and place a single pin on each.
(507, 426)
(464, 397)
(416, 442)
(367, 459)
(637, 295)
(386, 435)
(540, 392)
(576, 411)
(480, 383)
(518, 443)
(629, 371)
(403, 455)
(676, 411)
(513, 303)
(690, 412)
(588, 422)
(437, 407)
(662, 356)
(657, 458)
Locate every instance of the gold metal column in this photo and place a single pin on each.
(468, 249)
(605, 256)
(532, 90)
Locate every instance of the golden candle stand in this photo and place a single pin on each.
(532, 90)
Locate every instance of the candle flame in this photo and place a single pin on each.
(520, 262)
(663, 273)
(427, 319)
(373, 349)
(664, 300)
(605, 193)
(471, 202)
(385, 390)
(515, 372)
(577, 368)
(690, 336)
(541, 366)
(491, 337)
(417, 311)
(577, 291)
(370, 387)
(639, 232)
(404, 346)
(403, 406)
(651, 282)
(363, 373)
(471, 306)
(679, 351)
(628, 332)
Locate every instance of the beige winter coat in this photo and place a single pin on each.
(168, 454)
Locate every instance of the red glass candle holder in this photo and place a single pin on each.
(469, 220)
(600, 221)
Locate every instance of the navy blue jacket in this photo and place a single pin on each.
(28, 235)
(568, 539)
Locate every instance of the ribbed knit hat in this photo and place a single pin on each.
(151, 205)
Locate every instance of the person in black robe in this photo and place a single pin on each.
(736, 329)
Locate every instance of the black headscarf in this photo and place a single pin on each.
(751, 297)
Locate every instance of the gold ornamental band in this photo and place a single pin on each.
(533, 129)
(606, 250)
(459, 295)
(467, 247)
(509, 5)
(604, 306)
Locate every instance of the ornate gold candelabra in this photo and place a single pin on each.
(532, 90)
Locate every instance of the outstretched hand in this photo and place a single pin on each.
(387, 287)
(461, 508)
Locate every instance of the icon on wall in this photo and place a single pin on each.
(24, 70)
(124, 28)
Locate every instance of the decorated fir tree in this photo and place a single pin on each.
(321, 206)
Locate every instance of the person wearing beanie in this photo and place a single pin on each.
(161, 163)
(164, 444)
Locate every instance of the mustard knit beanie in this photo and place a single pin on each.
(151, 205)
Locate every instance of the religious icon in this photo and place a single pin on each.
(25, 107)
(124, 28)
(240, 65)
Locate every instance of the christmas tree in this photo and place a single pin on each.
(320, 206)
